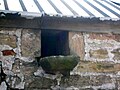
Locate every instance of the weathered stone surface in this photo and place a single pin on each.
(108, 67)
(31, 43)
(8, 31)
(82, 81)
(7, 62)
(8, 40)
(101, 47)
(40, 83)
(62, 64)
(75, 80)
(99, 80)
(93, 75)
(116, 53)
(102, 36)
(17, 79)
(118, 83)
(76, 44)
(100, 53)
(24, 71)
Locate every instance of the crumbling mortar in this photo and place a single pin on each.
(112, 75)
(18, 49)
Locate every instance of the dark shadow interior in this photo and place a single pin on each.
(54, 42)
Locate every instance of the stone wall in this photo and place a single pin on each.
(18, 49)
(98, 69)
(100, 59)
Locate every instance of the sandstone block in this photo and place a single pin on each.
(101, 67)
(76, 44)
(100, 53)
(102, 36)
(8, 40)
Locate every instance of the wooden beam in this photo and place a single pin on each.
(20, 23)
(81, 24)
(63, 23)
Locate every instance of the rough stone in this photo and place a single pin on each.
(8, 31)
(8, 40)
(40, 83)
(116, 53)
(76, 44)
(83, 81)
(99, 80)
(118, 83)
(3, 86)
(75, 80)
(31, 43)
(99, 47)
(101, 67)
(61, 64)
(17, 79)
(100, 53)
(7, 62)
(102, 36)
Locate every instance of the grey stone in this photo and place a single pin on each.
(31, 43)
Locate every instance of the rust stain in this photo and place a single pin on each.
(8, 52)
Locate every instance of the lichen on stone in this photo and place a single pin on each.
(62, 64)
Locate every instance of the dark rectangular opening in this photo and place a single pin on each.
(54, 43)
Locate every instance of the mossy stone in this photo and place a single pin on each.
(62, 64)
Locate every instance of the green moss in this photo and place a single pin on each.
(99, 66)
(62, 64)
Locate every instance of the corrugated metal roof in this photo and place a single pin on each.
(79, 8)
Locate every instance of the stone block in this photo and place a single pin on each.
(61, 64)
(40, 83)
(116, 53)
(104, 36)
(99, 80)
(101, 67)
(75, 80)
(31, 43)
(8, 40)
(76, 44)
(85, 81)
(100, 53)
